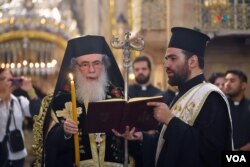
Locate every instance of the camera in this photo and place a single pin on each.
(16, 82)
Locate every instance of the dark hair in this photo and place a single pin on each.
(200, 58)
(240, 74)
(214, 76)
(143, 58)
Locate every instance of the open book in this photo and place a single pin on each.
(102, 116)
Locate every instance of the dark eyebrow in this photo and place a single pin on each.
(170, 56)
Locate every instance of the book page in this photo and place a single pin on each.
(144, 98)
(109, 100)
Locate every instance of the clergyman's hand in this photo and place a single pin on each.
(129, 134)
(70, 127)
(162, 113)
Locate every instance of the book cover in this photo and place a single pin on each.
(102, 116)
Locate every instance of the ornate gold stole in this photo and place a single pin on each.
(98, 159)
(188, 107)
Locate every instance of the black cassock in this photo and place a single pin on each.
(199, 145)
(60, 151)
(138, 91)
(241, 122)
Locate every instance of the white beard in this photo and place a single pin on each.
(91, 91)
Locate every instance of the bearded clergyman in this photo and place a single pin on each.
(97, 77)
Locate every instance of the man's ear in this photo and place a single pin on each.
(243, 86)
(193, 61)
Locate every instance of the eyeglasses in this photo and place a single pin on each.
(86, 65)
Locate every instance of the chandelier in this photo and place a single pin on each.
(220, 4)
(31, 31)
(32, 57)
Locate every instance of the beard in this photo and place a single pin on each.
(141, 79)
(180, 76)
(91, 91)
(232, 93)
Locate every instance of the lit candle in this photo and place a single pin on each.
(74, 113)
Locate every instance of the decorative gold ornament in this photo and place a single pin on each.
(38, 130)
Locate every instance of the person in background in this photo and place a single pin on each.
(197, 126)
(28, 122)
(142, 68)
(97, 77)
(21, 107)
(218, 79)
(235, 87)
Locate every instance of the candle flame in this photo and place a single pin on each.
(71, 76)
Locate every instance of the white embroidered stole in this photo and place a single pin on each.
(188, 106)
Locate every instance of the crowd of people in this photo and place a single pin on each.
(197, 119)
(234, 83)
